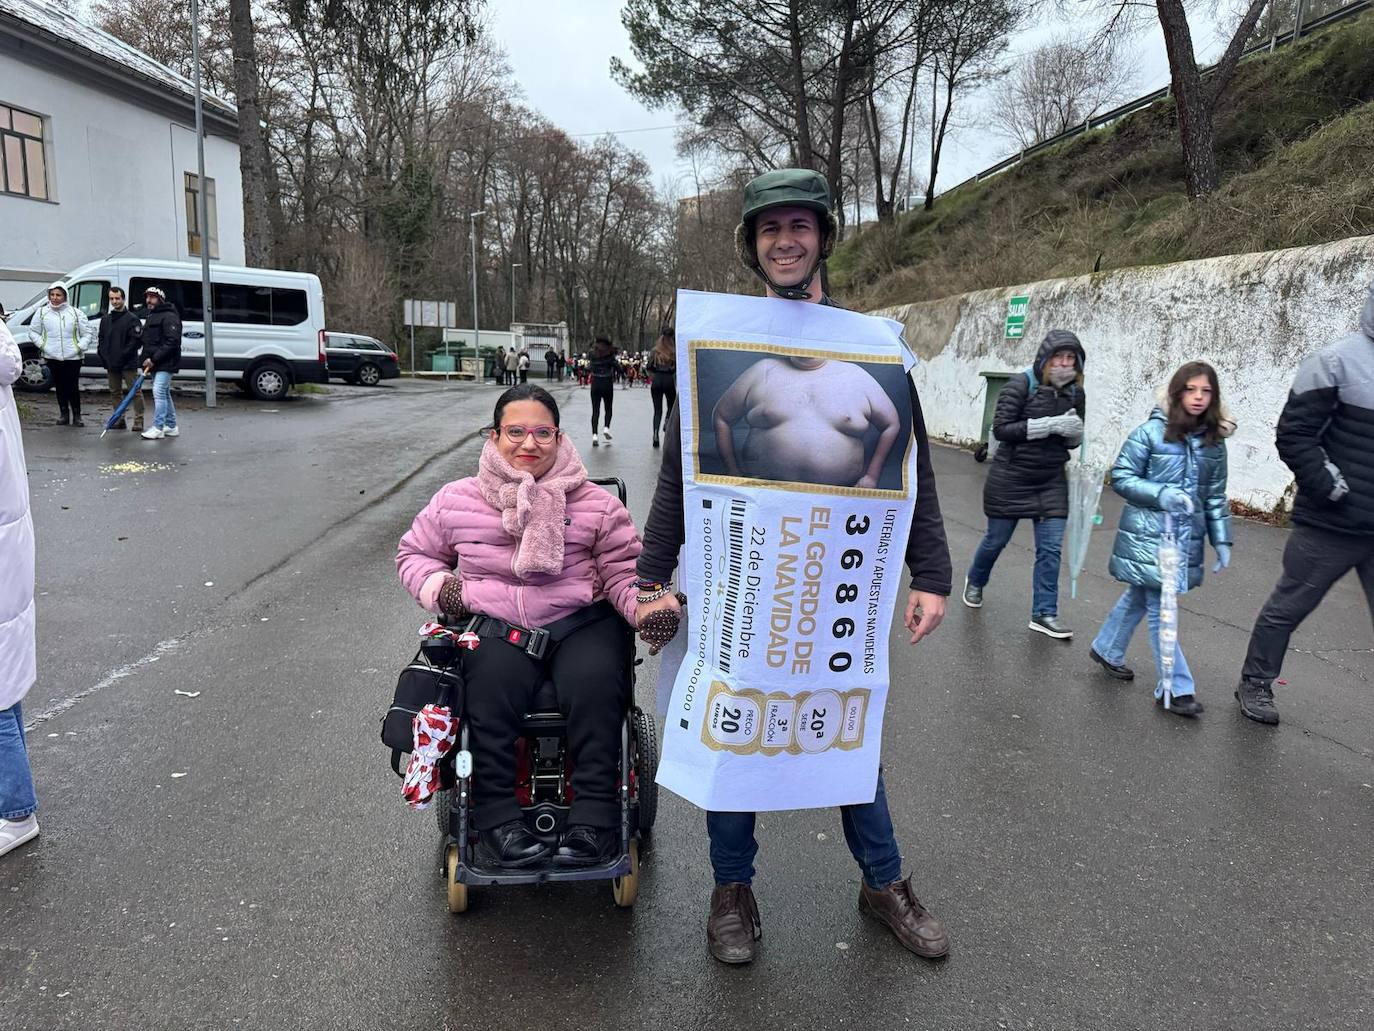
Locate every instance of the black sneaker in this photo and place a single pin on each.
(1182, 705)
(1119, 672)
(973, 596)
(1050, 627)
(1256, 700)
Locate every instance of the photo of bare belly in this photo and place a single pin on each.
(805, 420)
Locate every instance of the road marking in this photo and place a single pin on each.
(163, 648)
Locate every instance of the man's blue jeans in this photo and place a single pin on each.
(164, 411)
(17, 799)
(1115, 635)
(1049, 542)
(867, 831)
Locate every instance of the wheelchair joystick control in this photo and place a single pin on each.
(544, 823)
(462, 764)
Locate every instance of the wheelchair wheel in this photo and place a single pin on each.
(623, 889)
(646, 766)
(457, 891)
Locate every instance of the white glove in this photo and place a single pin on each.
(1039, 429)
(1068, 425)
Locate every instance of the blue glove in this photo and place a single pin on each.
(1223, 557)
(1175, 501)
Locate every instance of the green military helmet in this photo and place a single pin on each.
(785, 187)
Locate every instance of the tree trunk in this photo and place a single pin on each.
(253, 157)
(938, 128)
(1195, 127)
(806, 154)
(839, 99)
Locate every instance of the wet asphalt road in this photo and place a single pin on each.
(242, 858)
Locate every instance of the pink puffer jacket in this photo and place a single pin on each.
(459, 532)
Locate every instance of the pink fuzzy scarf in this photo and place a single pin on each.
(532, 511)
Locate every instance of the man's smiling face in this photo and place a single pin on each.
(787, 242)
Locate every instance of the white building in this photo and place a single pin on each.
(98, 154)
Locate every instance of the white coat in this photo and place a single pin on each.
(17, 643)
(61, 333)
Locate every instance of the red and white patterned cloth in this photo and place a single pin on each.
(435, 730)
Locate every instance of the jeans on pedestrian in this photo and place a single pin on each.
(1313, 560)
(1049, 543)
(1114, 637)
(164, 411)
(867, 830)
(17, 799)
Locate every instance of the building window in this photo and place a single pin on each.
(193, 233)
(23, 162)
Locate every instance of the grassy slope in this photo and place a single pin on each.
(1295, 143)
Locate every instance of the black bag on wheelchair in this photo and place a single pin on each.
(431, 677)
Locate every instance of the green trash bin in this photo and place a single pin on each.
(441, 363)
(986, 443)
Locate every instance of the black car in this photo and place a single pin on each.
(359, 359)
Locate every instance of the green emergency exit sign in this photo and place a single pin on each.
(1016, 317)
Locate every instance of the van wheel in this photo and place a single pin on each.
(34, 374)
(369, 375)
(269, 381)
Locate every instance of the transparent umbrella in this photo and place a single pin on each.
(1170, 568)
(1085, 489)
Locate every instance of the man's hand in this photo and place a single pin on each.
(868, 482)
(667, 603)
(924, 612)
(147, 366)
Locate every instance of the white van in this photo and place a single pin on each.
(269, 325)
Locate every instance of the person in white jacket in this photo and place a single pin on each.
(18, 803)
(64, 335)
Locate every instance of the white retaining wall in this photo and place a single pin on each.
(1252, 316)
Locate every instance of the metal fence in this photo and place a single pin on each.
(1302, 28)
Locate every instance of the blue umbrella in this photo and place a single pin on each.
(123, 405)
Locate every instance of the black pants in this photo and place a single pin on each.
(603, 390)
(660, 394)
(588, 670)
(66, 379)
(1313, 561)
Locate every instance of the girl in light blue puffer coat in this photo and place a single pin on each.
(1174, 463)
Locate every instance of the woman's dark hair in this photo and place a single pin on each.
(665, 348)
(1181, 424)
(524, 392)
(602, 346)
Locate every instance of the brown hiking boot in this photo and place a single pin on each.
(910, 923)
(734, 925)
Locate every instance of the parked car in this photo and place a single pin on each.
(269, 325)
(359, 359)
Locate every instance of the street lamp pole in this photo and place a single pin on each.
(473, 216)
(207, 312)
(516, 265)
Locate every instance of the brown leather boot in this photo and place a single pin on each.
(898, 907)
(734, 925)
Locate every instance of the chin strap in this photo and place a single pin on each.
(800, 292)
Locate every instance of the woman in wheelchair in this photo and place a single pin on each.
(530, 544)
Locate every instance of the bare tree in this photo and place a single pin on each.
(971, 37)
(254, 164)
(1060, 85)
(1194, 99)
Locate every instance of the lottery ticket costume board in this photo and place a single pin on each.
(799, 486)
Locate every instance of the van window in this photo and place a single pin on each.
(182, 294)
(89, 298)
(289, 307)
(243, 304)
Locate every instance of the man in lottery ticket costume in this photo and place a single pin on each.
(785, 232)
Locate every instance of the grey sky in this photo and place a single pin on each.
(560, 52)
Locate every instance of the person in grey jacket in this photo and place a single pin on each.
(1174, 463)
(1324, 436)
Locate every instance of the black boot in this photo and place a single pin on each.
(512, 845)
(586, 846)
(1119, 672)
(64, 419)
(1182, 705)
(1257, 701)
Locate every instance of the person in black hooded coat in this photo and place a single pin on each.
(1039, 420)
